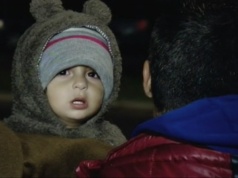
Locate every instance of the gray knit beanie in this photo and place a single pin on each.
(77, 46)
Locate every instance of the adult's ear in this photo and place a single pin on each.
(147, 79)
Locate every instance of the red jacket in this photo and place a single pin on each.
(155, 156)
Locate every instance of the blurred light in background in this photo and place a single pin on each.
(2, 24)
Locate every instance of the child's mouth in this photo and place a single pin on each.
(79, 103)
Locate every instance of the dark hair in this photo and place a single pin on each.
(194, 52)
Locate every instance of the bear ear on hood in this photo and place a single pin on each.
(43, 9)
(98, 9)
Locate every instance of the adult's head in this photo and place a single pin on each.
(193, 53)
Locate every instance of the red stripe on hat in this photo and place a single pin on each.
(99, 42)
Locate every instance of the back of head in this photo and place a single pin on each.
(194, 52)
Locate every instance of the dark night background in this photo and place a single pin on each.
(131, 22)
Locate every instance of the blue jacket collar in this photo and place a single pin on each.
(211, 122)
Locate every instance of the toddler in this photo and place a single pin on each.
(66, 73)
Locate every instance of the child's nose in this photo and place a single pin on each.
(80, 82)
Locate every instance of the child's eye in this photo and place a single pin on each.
(64, 72)
(93, 74)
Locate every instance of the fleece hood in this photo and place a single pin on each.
(210, 122)
(31, 111)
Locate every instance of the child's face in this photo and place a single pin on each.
(75, 94)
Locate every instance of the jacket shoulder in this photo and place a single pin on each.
(147, 155)
(11, 157)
